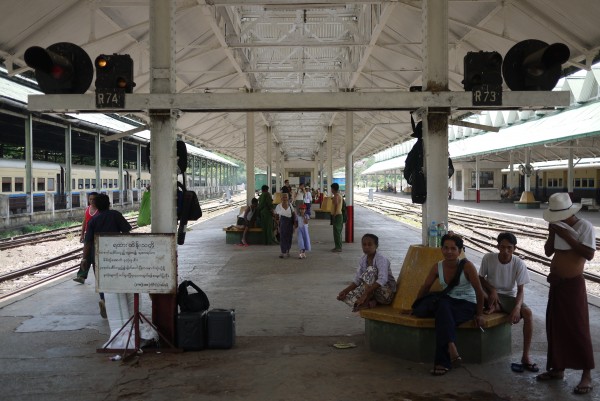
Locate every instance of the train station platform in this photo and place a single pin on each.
(287, 320)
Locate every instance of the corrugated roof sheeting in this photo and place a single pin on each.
(290, 46)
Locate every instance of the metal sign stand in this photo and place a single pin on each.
(134, 322)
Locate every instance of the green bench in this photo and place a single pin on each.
(392, 330)
(233, 234)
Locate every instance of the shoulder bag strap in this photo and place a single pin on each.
(456, 278)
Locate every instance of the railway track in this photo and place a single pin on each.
(20, 280)
(478, 232)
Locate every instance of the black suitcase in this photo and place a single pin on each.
(221, 328)
(191, 330)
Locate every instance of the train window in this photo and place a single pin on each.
(41, 184)
(87, 183)
(584, 183)
(555, 182)
(80, 183)
(94, 183)
(50, 184)
(6, 184)
(19, 184)
(73, 183)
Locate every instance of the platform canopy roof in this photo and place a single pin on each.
(287, 46)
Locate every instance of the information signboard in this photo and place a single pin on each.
(136, 263)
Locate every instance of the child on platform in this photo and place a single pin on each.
(303, 237)
(373, 282)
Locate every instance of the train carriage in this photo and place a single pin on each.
(49, 177)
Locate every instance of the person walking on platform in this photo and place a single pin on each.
(105, 221)
(336, 215)
(373, 282)
(572, 241)
(463, 302)
(286, 188)
(287, 221)
(308, 200)
(90, 212)
(503, 277)
(265, 210)
(299, 196)
(302, 218)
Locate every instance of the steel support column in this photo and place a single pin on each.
(138, 163)
(435, 122)
(68, 189)
(329, 159)
(29, 186)
(120, 170)
(570, 171)
(349, 176)
(163, 147)
(278, 174)
(269, 160)
(250, 157)
(97, 163)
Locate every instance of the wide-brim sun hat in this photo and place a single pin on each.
(560, 207)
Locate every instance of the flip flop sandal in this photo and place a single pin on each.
(548, 376)
(344, 345)
(456, 362)
(532, 367)
(439, 371)
(517, 367)
(582, 389)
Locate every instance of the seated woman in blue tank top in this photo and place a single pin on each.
(462, 303)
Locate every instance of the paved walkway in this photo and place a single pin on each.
(287, 321)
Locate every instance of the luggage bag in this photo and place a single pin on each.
(191, 330)
(221, 328)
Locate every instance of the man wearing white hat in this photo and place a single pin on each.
(572, 241)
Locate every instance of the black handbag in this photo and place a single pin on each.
(426, 306)
(195, 302)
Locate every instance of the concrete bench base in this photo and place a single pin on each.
(418, 343)
(392, 330)
(253, 237)
(527, 205)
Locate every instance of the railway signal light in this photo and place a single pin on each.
(61, 68)
(533, 65)
(114, 72)
(482, 68)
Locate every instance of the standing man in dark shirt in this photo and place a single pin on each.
(105, 221)
(287, 188)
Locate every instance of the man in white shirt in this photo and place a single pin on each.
(307, 199)
(503, 277)
(571, 242)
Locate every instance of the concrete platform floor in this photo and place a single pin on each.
(287, 321)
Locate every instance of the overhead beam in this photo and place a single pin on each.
(294, 3)
(286, 102)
